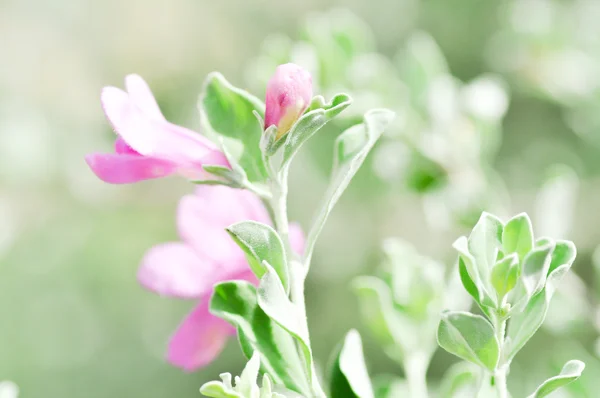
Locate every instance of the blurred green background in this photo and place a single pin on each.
(73, 320)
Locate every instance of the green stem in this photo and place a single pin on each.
(415, 368)
(278, 208)
(502, 369)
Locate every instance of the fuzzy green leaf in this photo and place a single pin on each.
(261, 243)
(517, 236)
(228, 116)
(470, 337)
(569, 373)
(236, 302)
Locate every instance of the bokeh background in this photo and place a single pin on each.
(502, 114)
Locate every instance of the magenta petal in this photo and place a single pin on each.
(141, 95)
(175, 269)
(199, 339)
(126, 169)
(203, 217)
(156, 138)
(289, 92)
(297, 238)
(122, 148)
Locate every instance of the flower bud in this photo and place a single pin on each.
(289, 93)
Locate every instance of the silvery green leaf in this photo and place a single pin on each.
(525, 323)
(236, 302)
(228, 115)
(569, 373)
(471, 276)
(261, 243)
(461, 380)
(308, 125)
(485, 243)
(274, 301)
(536, 266)
(517, 236)
(349, 377)
(564, 253)
(351, 149)
(470, 337)
(505, 275)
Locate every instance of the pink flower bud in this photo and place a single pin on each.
(289, 93)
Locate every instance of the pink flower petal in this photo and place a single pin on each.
(141, 95)
(157, 138)
(175, 269)
(297, 238)
(289, 93)
(126, 169)
(122, 148)
(202, 219)
(199, 339)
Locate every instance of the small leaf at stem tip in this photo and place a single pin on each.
(535, 268)
(517, 236)
(484, 244)
(261, 243)
(569, 373)
(505, 275)
(470, 275)
(470, 337)
(349, 377)
(308, 125)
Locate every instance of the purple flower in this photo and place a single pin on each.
(205, 256)
(148, 146)
(289, 93)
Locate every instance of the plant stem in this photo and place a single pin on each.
(415, 368)
(297, 273)
(502, 369)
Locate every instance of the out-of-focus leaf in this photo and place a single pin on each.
(569, 373)
(349, 377)
(461, 380)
